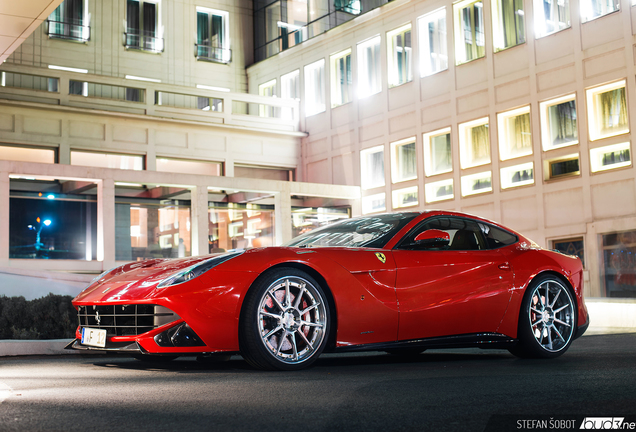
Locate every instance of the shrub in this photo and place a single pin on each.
(50, 317)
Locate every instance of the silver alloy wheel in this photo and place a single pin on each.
(551, 315)
(292, 319)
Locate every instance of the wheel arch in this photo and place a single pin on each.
(333, 331)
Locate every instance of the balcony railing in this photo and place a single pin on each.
(69, 31)
(213, 53)
(143, 42)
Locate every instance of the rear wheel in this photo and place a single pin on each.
(547, 320)
(285, 321)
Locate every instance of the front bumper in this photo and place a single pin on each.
(132, 348)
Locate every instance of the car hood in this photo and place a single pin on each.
(136, 280)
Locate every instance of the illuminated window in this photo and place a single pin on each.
(610, 157)
(374, 203)
(551, 16)
(269, 90)
(617, 265)
(474, 143)
(289, 89)
(315, 88)
(25, 154)
(559, 123)
(607, 110)
(70, 21)
(369, 73)
(403, 160)
(142, 26)
(400, 56)
(515, 138)
(341, 81)
(518, 175)
(189, 166)
(439, 191)
(470, 40)
(434, 53)
(437, 152)
(477, 183)
(508, 23)
(591, 9)
(406, 197)
(372, 167)
(213, 35)
(107, 160)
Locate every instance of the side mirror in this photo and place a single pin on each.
(432, 238)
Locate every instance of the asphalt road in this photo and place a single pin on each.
(442, 390)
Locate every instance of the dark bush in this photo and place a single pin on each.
(50, 317)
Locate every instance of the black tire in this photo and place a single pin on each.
(285, 321)
(405, 352)
(547, 320)
(154, 358)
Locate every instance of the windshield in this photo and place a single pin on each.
(368, 231)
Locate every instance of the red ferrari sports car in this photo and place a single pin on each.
(400, 283)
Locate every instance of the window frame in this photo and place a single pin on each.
(596, 154)
(431, 188)
(396, 161)
(498, 26)
(366, 199)
(540, 18)
(267, 89)
(504, 132)
(369, 82)
(507, 174)
(593, 114)
(398, 203)
(427, 139)
(546, 134)
(468, 190)
(311, 90)
(459, 30)
(441, 37)
(393, 58)
(67, 25)
(463, 129)
(210, 52)
(585, 18)
(364, 170)
(339, 88)
(156, 43)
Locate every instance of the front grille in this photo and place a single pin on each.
(125, 320)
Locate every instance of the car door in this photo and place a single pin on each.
(461, 288)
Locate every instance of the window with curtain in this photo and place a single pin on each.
(341, 80)
(315, 88)
(400, 55)
(470, 40)
(212, 35)
(372, 167)
(289, 89)
(591, 9)
(267, 89)
(369, 72)
(508, 23)
(69, 21)
(474, 143)
(515, 137)
(433, 50)
(403, 160)
(551, 16)
(558, 123)
(607, 110)
(437, 152)
(142, 25)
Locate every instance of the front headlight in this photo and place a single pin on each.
(197, 269)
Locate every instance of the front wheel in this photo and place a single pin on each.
(547, 320)
(285, 321)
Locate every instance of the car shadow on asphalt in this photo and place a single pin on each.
(330, 360)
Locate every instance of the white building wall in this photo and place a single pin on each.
(570, 61)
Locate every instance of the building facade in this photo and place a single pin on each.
(518, 111)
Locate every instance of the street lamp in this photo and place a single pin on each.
(38, 244)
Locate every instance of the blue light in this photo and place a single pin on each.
(50, 196)
(47, 222)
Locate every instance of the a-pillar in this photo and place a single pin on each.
(283, 216)
(5, 187)
(106, 223)
(200, 225)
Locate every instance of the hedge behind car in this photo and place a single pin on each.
(50, 317)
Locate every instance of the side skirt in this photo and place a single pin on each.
(474, 340)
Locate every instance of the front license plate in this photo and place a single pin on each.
(94, 337)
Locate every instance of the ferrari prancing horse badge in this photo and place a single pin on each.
(381, 257)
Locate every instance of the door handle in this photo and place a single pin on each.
(504, 266)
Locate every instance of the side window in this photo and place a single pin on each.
(465, 234)
(496, 237)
